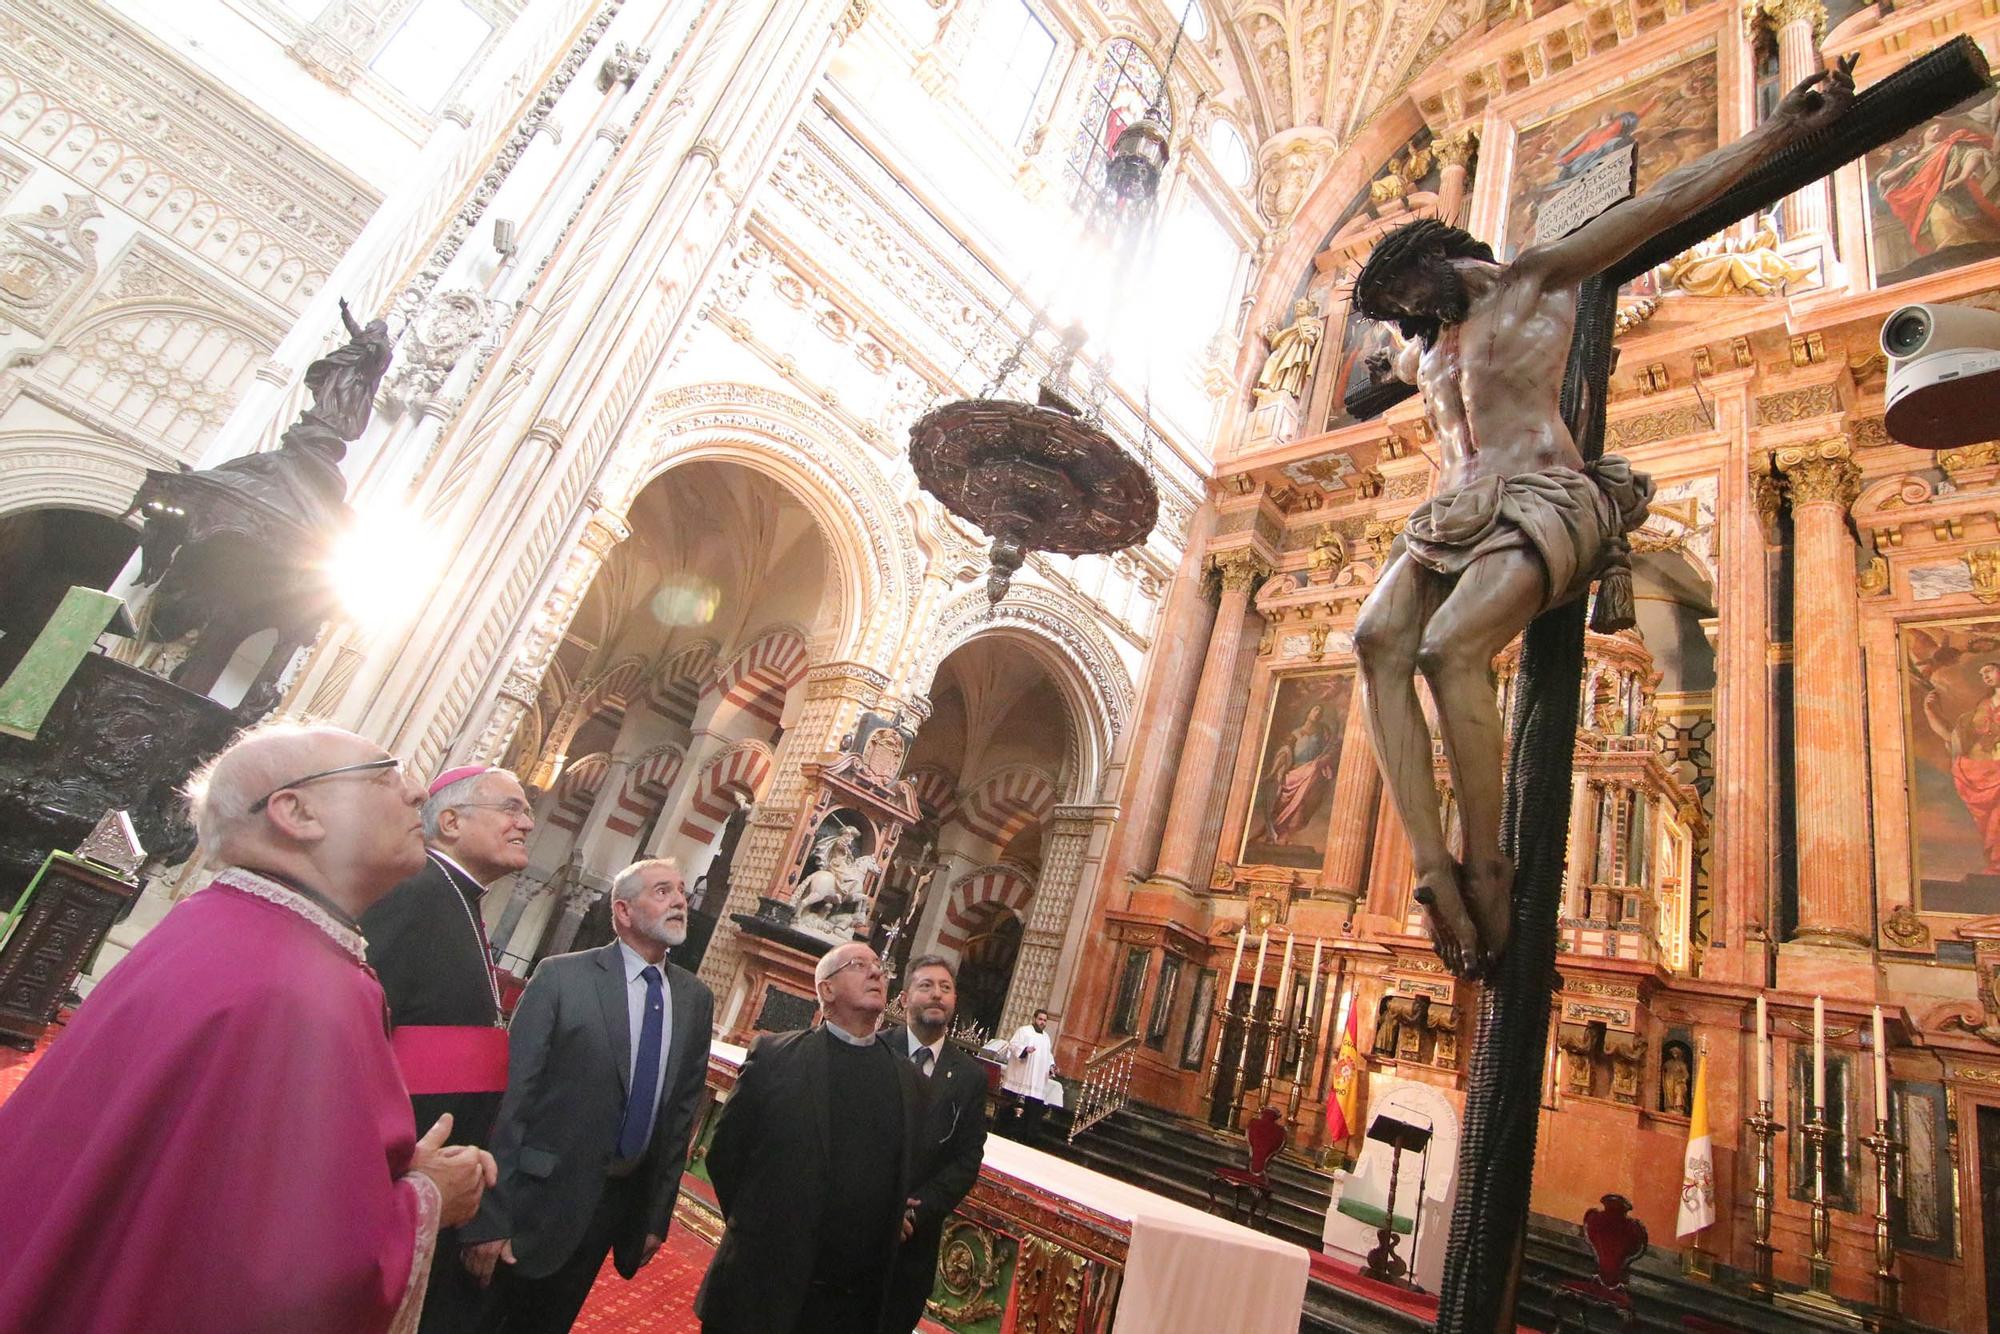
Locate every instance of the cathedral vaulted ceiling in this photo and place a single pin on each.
(1332, 64)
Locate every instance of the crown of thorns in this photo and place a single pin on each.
(1422, 239)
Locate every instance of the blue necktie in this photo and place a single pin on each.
(634, 1130)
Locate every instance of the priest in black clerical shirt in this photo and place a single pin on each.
(427, 944)
(812, 1162)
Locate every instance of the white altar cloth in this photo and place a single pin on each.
(1186, 1272)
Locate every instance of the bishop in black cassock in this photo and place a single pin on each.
(427, 944)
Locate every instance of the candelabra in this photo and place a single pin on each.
(1274, 1053)
(1765, 1130)
(1305, 1038)
(1820, 1268)
(1222, 1016)
(1888, 1163)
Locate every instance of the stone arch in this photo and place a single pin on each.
(873, 563)
(974, 896)
(1006, 802)
(1062, 634)
(676, 688)
(744, 770)
(43, 469)
(756, 681)
(614, 692)
(646, 789)
(576, 792)
(936, 790)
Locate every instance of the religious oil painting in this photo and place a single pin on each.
(1934, 194)
(1291, 803)
(1668, 117)
(1951, 731)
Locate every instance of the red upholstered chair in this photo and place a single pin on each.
(1266, 1136)
(1617, 1240)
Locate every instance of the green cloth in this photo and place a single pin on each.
(29, 694)
(1372, 1215)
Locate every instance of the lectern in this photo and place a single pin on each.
(1384, 1264)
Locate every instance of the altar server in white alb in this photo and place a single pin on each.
(1031, 1062)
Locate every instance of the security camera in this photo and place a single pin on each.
(1944, 375)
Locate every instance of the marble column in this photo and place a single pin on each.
(1392, 869)
(1797, 25)
(1357, 784)
(1240, 571)
(1829, 742)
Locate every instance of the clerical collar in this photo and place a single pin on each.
(310, 904)
(451, 864)
(848, 1037)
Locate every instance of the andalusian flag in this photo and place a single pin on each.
(1698, 1169)
(1343, 1109)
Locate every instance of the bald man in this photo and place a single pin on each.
(427, 944)
(812, 1163)
(220, 1140)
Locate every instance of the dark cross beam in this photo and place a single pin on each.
(1496, 1150)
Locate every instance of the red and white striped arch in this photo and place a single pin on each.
(576, 791)
(936, 790)
(756, 681)
(675, 692)
(646, 789)
(977, 897)
(1005, 803)
(613, 693)
(743, 770)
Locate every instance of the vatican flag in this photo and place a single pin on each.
(1343, 1109)
(1698, 1169)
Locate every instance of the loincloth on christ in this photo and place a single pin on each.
(1575, 521)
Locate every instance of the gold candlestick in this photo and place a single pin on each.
(1222, 1016)
(1820, 1266)
(1888, 1155)
(1306, 1041)
(1762, 1194)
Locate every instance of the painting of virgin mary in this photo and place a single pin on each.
(1289, 809)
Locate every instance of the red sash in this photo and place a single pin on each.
(440, 1059)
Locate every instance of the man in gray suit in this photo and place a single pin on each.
(607, 1056)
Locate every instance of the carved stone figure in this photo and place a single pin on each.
(1293, 349)
(834, 899)
(1520, 524)
(1674, 1077)
(1721, 267)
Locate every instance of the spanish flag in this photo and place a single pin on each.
(1343, 1109)
(1698, 1168)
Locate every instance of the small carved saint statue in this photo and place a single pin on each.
(1293, 349)
(1519, 522)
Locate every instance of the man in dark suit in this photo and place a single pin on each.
(609, 1051)
(953, 1137)
(812, 1162)
(427, 944)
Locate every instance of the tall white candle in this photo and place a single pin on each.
(1763, 1055)
(1819, 1055)
(1282, 1001)
(1236, 967)
(1257, 977)
(1312, 984)
(1881, 1070)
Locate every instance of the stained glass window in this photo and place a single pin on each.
(1126, 83)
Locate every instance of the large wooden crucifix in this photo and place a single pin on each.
(1524, 540)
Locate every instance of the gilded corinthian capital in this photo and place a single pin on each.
(1239, 571)
(1780, 13)
(1456, 150)
(1822, 471)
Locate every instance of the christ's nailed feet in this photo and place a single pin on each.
(1452, 930)
(1489, 893)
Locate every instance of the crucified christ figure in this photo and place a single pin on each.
(1520, 523)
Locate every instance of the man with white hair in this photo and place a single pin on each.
(609, 1056)
(427, 943)
(813, 1163)
(219, 1141)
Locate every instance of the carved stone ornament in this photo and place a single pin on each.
(46, 261)
(1821, 473)
(1240, 570)
(1289, 165)
(1906, 930)
(1983, 563)
(449, 323)
(1725, 267)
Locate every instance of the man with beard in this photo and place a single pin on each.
(608, 1052)
(427, 944)
(951, 1139)
(1031, 1059)
(1519, 523)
